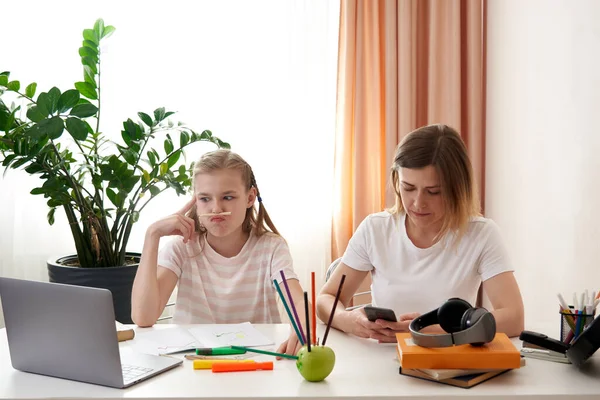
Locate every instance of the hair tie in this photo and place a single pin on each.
(259, 199)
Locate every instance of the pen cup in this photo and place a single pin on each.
(572, 324)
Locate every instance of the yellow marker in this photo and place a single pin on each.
(207, 364)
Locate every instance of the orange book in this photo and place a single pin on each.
(500, 353)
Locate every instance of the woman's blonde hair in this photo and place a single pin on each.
(259, 221)
(442, 147)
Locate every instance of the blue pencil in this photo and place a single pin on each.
(289, 313)
(287, 288)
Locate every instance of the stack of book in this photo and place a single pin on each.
(464, 366)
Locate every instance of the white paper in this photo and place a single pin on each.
(164, 341)
(221, 335)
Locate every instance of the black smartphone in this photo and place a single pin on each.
(375, 313)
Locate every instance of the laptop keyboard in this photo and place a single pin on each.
(130, 372)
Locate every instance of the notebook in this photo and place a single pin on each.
(68, 332)
(500, 353)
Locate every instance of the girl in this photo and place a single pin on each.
(432, 246)
(224, 258)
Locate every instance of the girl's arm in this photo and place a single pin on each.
(505, 296)
(152, 286)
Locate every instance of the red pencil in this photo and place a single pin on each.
(314, 311)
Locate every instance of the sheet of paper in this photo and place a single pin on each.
(220, 335)
(164, 341)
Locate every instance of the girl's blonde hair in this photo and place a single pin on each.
(259, 221)
(442, 147)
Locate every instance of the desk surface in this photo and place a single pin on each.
(364, 369)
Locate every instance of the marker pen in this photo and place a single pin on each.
(219, 351)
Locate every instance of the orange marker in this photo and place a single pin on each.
(207, 364)
(234, 367)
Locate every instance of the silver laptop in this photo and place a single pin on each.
(69, 332)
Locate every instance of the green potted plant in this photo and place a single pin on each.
(102, 185)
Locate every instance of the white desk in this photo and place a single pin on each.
(364, 369)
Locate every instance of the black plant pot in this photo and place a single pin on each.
(118, 280)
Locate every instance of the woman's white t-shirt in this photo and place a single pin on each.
(408, 279)
(213, 289)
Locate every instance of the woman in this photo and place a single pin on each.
(433, 245)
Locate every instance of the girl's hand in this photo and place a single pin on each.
(291, 346)
(176, 224)
(389, 329)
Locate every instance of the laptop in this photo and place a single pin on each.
(69, 332)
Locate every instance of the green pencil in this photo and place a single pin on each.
(269, 353)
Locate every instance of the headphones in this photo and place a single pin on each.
(464, 325)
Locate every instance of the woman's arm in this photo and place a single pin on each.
(353, 321)
(505, 296)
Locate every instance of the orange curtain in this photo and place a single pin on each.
(402, 64)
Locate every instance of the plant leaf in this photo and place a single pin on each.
(14, 86)
(112, 196)
(91, 52)
(34, 114)
(68, 100)
(3, 80)
(91, 44)
(53, 127)
(174, 158)
(89, 34)
(168, 145)
(184, 138)
(151, 158)
(164, 167)
(84, 110)
(146, 118)
(53, 97)
(51, 215)
(90, 62)
(159, 114)
(153, 190)
(108, 30)
(86, 90)
(99, 28)
(30, 90)
(77, 128)
(89, 76)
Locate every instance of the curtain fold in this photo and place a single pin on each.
(402, 64)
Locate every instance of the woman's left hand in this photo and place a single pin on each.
(291, 346)
(389, 329)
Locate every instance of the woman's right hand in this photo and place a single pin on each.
(175, 224)
(359, 325)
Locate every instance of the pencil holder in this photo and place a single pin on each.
(315, 365)
(573, 324)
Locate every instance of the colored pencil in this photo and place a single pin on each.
(269, 353)
(307, 321)
(314, 309)
(289, 313)
(337, 297)
(287, 289)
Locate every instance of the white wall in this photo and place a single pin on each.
(543, 143)
(260, 74)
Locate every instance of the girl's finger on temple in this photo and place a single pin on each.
(188, 206)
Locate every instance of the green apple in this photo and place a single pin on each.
(316, 364)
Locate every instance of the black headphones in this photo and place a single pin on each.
(464, 324)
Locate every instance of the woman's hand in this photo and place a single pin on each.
(176, 224)
(359, 325)
(389, 329)
(291, 346)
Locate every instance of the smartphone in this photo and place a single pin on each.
(375, 313)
